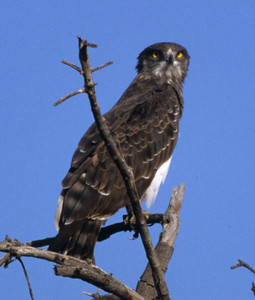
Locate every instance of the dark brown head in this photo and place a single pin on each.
(167, 62)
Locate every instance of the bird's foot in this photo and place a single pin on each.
(130, 220)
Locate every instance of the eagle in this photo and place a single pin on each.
(144, 124)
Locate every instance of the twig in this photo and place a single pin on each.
(87, 44)
(71, 65)
(82, 90)
(96, 296)
(91, 69)
(243, 264)
(69, 265)
(126, 173)
(102, 66)
(253, 288)
(5, 260)
(27, 278)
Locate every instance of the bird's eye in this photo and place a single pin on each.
(179, 54)
(155, 54)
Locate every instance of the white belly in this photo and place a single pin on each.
(152, 191)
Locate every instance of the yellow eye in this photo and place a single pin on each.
(180, 55)
(155, 54)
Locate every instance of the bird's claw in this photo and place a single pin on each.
(130, 220)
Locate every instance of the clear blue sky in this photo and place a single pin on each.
(214, 156)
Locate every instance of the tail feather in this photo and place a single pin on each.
(77, 239)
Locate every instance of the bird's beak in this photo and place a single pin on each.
(170, 59)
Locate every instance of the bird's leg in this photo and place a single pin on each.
(130, 211)
(131, 220)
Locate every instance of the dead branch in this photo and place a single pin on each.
(165, 246)
(72, 66)
(102, 66)
(80, 91)
(5, 260)
(72, 267)
(91, 277)
(253, 288)
(27, 278)
(243, 264)
(96, 296)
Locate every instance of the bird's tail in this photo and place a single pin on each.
(77, 239)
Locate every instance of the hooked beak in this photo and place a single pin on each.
(170, 59)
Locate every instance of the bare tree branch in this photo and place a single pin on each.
(65, 62)
(27, 278)
(5, 260)
(97, 295)
(72, 267)
(71, 65)
(80, 91)
(91, 69)
(243, 264)
(164, 248)
(253, 288)
(102, 66)
(92, 277)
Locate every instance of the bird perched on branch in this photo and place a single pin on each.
(144, 124)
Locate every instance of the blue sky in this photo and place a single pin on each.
(214, 156)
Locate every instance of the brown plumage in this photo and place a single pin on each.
(144, 124)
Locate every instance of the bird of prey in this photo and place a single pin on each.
(144, 124)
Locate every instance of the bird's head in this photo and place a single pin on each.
(167, 62)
